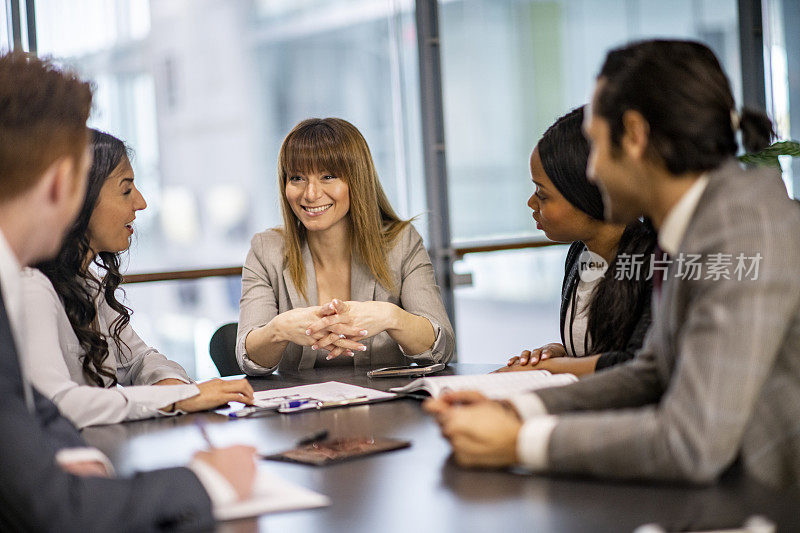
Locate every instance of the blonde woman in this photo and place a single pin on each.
(345, 281)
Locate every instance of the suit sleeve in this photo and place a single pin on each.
(624, 386)
(258, 305)
(419, 295)
(60, 430)
(38, 496)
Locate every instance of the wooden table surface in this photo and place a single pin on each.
(420, 488)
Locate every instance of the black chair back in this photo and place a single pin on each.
(223, 350)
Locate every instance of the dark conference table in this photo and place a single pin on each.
(420, 488)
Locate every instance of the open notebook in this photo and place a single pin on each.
(497, 386)
(271, 494)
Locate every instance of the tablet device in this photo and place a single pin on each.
(405, 371)
(326, 452)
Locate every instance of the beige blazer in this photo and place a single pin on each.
(268, 290)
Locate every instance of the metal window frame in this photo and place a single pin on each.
(16, 25)
(751, 47)
(434, 159)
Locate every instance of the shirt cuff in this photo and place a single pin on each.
(67, 456)
(248, 366)
(528, 405)
(218, 488)
(533, 441)
(151, 399)
(434, 354)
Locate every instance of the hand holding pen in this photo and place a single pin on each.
(235, 463)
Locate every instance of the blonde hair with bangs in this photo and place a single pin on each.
(336, 146)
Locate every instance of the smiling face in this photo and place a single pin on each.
(614, 169)
(559, 219)
(320, 200)
(111, 223)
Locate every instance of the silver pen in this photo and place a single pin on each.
(323, 405)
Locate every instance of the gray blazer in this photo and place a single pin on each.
(268, 290)
(718, 377)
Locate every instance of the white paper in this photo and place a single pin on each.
(271, 494)
(325, 392)
(497, 386)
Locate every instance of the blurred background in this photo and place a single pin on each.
(205, 90)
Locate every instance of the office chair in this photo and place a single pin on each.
(222, 348)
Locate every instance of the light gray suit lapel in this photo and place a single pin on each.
(362, 289)
(309, 356)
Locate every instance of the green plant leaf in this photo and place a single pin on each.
(769, 155)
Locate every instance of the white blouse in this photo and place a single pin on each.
(579, 335)
(53, 355)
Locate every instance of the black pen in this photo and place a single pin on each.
(314, 437)
(201, 425)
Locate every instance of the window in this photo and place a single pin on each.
(510, 68)
(204, 92)
(782, 44)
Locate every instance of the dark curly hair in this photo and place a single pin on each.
(74, 280)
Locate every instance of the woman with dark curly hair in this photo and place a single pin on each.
(78, 344)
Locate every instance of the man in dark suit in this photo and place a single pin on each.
(43, 165)
(718, 378)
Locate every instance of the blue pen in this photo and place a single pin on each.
(293, 404)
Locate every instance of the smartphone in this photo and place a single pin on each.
(405, 371)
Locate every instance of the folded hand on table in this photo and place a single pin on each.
(345, 323)
(214, 393)
(528, 359)
(553, 358)
(449, 400)
(481, 434)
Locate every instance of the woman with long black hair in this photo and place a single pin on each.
(604, 315)
(78, 344)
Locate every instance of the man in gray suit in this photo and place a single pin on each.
(49, 479)
(718, 378)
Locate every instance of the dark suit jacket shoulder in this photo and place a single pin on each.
(37, 495)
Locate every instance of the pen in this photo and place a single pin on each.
(293, 404)
(201, 425)
(337, 403)
(303, 405)
(252, 410)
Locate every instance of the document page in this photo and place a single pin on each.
(271, 494)
(330, 391)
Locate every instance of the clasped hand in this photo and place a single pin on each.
(482, 432)
(336, 326)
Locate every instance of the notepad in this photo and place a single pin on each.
(330, 391)
(497, 386)
(271, 494)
